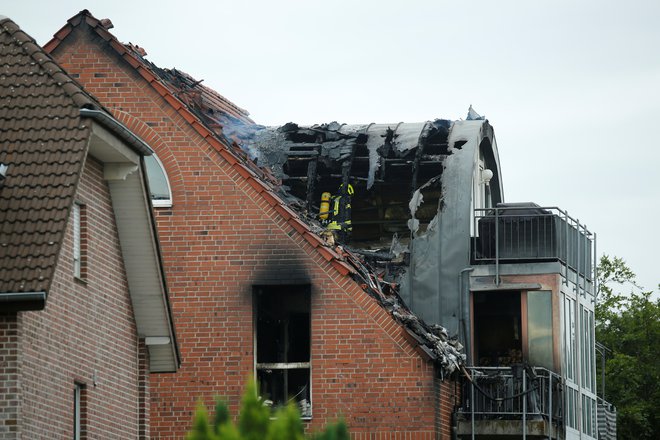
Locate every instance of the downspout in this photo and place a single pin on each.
(464, 303)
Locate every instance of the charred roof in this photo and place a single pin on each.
(385, 164)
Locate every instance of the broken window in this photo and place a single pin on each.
(497, 330)
(283, 344)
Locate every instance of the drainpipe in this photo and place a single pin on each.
(464, 306)
(454, 425)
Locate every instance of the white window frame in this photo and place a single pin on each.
(77, 410)
(160, 203)
(77, 240)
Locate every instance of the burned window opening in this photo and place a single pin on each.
(283, 342)
(498, 335)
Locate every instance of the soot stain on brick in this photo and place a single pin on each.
(278, 270)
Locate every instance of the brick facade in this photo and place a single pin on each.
(219, 239)
(10, 385)
(85, 335)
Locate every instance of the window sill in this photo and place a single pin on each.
(79, 280)
(304, 419)
(161, 203)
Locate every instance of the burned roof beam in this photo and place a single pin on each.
(355, 178)
(346, 172)
(415, 167)
(303, 145)
(385, 151)
(311, 183)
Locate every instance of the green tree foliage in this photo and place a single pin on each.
(255, 422)
(628, 323)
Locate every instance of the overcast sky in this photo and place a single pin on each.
(572, 88)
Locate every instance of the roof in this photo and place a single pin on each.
(44, 145)
(225, 126)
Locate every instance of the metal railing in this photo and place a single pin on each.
(528, 232)
(513, 393)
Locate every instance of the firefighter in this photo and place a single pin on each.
(335, 212)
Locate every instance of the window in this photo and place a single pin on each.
(79, 240)
(79, 411)
(587, 349)
(498, 334)
(282, 316)
(539, 328)
(569, 338)
(159, 185)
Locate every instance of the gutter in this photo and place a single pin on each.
(22, 301)
(119, 129)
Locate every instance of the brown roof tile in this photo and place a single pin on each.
(44, 144)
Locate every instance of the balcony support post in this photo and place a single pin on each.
(550, 411)
(567, 259)
(497, 247)
(472, 404)
(524, 403)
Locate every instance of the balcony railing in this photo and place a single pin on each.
(519, 232)
(528, 396)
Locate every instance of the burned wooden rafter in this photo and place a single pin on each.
(415, 167)
(385, 151)
(311, 183)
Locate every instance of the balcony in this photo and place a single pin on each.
(517, 401)
(526, 232)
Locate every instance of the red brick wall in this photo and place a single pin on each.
(219, 239)
(447, 398)
(86, 334)
(144, 396)
(10, 380)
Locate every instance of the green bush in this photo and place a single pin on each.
(255, 422)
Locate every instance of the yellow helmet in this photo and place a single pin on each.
(350, 190)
